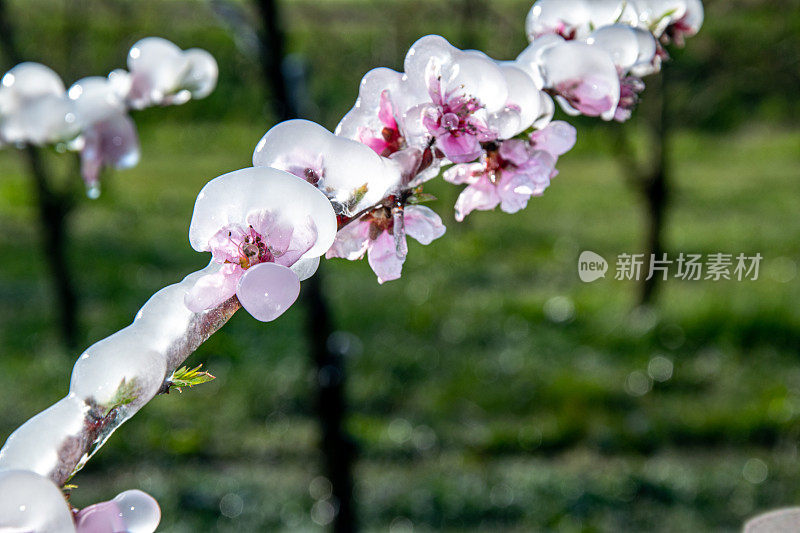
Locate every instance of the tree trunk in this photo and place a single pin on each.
(331, 409)
(53, 208)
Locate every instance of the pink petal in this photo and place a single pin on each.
(423, 224)
(213, 289)
(557, 138)
(383, 259)
(224, 245)
(464, 173)
(112, 142)
(481, 195)
(514, 191)
(515, 150)
(351, 241)
(366, 136)
(385, 112)
(462, 148)
(268, 290)
(303, 237)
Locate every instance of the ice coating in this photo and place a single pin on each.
(203, 72)
(111, 142)
(530, 59)
(468, 74)
(34, 107)
(169, 330)
(584, 77)
(658, 15)
(229, 198)
(267, 290)
(35, 445)
(132, 511)
(161, 73)
(524, 103)
(628, 47)
(122, 369)
(32, 503)
(575, 19)
(348, 172)
(95, 99)
(365, 112)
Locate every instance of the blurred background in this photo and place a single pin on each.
(488, 389)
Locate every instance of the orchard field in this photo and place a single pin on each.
(489, 388)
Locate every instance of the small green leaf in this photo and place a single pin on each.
(184, 377)
(420, 198)
(125, 394)
(656, 23)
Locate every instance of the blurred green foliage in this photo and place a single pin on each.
(497, 393)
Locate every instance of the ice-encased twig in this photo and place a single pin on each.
(112, 380)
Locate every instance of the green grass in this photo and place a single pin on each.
(473, 408)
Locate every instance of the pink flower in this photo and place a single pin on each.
(512, 173)
(381, 235)
(456, 123)
(390, 140)
(348, 172)
(238, 247)
(109, 137)
(265, 229)
(583, 78)
(585, 95)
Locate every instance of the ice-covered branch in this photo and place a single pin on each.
(112, 380)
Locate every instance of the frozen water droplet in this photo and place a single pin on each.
(267, 290)
(93, 191)
(132, 511)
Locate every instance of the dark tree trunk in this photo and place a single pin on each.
(337, 447)
(53, 211)
(650, 178)
(655, 187)
(53, 208)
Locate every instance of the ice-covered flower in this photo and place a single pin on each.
(630, 48)
(109, 136)
(131, 511)
(464, 92)
(575, 19)
(348, 172)
(634, 53)
(34, 107)
(671, 20)
(265, 229)
(381, 235)
(160, 73)
(511, 173)
(375, 118)
(582, 78)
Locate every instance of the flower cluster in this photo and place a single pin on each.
(91, 117)
(475, 121)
